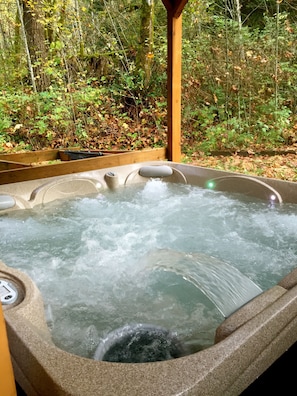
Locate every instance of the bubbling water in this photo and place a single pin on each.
(140, 255)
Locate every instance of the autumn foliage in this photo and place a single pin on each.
(91, 90)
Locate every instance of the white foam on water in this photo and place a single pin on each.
(91, 258)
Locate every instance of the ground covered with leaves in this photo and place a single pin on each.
(94, 117)
(280, 166)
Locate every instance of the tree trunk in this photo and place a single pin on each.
(145, 50)
(35, 35)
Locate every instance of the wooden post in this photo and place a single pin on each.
(7, 384)
(174, 43)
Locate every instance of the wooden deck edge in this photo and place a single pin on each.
(30, 157)
(70, 167)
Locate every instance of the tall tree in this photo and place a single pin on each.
(35, 39)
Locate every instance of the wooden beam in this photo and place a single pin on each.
(175, 6)
(178, 7)
(31, 156)
(7, 381)
(70, 167)
(39, 156)
(174, 43)
(167, 4)
(5, 165)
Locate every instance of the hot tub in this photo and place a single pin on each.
(246, 343)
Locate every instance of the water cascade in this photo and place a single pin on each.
(222, 283)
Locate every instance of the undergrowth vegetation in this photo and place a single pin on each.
(89, 117)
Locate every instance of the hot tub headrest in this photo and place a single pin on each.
(245, 185)
(156, 171)
(166, 172)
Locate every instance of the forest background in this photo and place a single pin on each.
(93, 74)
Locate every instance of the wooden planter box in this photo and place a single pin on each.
(48, 163)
